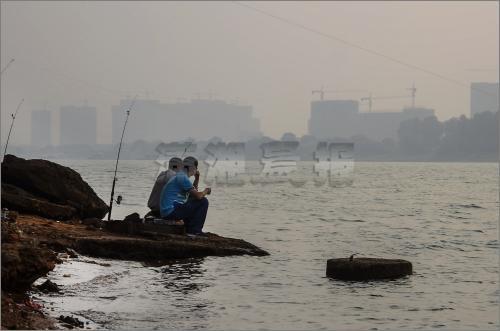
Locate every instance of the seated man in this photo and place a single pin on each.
(174, 203)
(174, 165)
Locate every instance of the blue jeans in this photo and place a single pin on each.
(193, 213)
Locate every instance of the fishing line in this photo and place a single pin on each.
(354, 45)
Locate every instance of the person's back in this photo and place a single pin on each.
(174, 165)
(154, 197)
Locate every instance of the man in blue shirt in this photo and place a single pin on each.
(174, 165)
(174, 203)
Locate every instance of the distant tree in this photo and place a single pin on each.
(470, 139)
(418, 136)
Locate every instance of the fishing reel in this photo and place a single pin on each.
(118, 199)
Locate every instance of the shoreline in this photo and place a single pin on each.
(32, 235)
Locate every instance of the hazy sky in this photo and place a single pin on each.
(69, 52)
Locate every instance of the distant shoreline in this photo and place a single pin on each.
(355, 160)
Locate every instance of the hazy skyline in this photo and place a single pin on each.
(68, 52)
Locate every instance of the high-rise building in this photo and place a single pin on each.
(483, 97)
(41, 121)
(78, 125)
(200, 119)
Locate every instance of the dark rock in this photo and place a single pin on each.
(93, 221)
(49, 183)
(48, 286)
(15, 198)
(71, 253)
(146, 229)
(134, 217)
(9, 215)
(59, 236)
(23, 262)
(10, 232)
(367, 268)
(168, 247)
(72, 321)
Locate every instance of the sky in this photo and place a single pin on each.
(100, 52)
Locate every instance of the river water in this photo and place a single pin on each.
(443, 217)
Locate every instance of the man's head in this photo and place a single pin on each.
(175, 164)
(190, 165)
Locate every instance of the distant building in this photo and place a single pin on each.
(379, 125)
(333, 118)
(483, 97)
(78, 125)
(417, 112)
(199, 119)
(41, 121)
(342, 119)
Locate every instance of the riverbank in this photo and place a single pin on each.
(31, 243)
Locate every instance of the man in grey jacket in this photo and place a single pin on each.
(174, 165)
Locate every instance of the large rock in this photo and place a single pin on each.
(367, 268)
(48, 189)
(23, 260)
(15, 198)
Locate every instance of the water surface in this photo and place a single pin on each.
(443, 217)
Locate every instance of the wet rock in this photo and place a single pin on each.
(48, 189)
(23, 262)
(165, 247)
(160, 247)
(20, 313)
(72, 321)
(23, 258)
(49, 286)
(367, 268)
(71, 253)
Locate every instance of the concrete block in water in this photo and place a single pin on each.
(364, 268)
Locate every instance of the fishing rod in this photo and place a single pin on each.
(119, 199)
(5, 68)
(11, 125)
(185, 149)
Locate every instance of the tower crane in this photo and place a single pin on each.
(322, 92)
(413, 90)
(370, 99)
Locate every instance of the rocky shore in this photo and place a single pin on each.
(51, 202)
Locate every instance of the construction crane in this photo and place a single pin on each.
(322, 92)
(370, 99)
(413, 90)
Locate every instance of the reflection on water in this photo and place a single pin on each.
(442, 217)
(184, 276)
